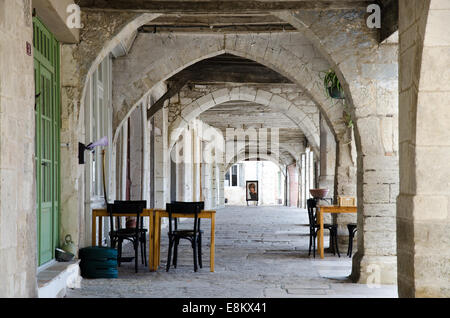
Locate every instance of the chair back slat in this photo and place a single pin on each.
(127, 207)
(186, 208)
(312, 205)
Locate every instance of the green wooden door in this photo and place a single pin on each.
(47, 159)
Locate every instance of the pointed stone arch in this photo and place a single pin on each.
(263, 97)
(155, 58)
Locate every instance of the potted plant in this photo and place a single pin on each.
(332, 85)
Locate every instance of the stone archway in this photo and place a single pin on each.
(422, 207)
(155, 58)
(369, 73)
(263, 97)
(377, 151)
(242, 156)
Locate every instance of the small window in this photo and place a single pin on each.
(227, 179)
(234, 176)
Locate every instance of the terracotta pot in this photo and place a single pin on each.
(131, 223)
(319, 193)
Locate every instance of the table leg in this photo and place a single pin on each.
(100, 231)
(321, 234)
(94, 227)
(151, 241)
(157, 242)
(213, 242)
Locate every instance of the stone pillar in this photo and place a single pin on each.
(206, 184)
(17, 187)
(136, 149)
(423, 214)
(327, 158)
(221, 199)
(345, 185)
(346, 165)
(213, 185)
(293, 185)
(307, 175)
(376, 131)
(162, 160)
(303, 181)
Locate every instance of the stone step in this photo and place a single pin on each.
(54, 281)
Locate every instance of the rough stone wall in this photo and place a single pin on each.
(423, 204)
(369, 73)
(17, 172)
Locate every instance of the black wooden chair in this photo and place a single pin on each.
(314, 227)
(194, 235)
(135, 235)
(351, 235)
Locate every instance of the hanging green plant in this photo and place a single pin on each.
(333, 87)
(348, 120)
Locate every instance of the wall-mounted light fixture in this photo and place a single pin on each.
(82, 148)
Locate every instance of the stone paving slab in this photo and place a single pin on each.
(260, 252)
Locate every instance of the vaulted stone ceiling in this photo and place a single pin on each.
(245, 115)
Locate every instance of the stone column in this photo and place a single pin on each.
(346, 184)
(221, 199)
(303, 181)
(162, 160)
(207, 182)
(136, 150)
(327, 158)
(370, 81)
(423, 216)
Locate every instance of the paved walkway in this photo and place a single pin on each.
(260, 252)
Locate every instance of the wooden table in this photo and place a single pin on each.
(329, 209)
(154, 227)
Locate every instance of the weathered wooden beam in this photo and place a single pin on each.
(218, 7)
(217, 29)
(233, 74)
(174, 89)
(217, 20)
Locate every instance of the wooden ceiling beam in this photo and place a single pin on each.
(173, 89)
(232, 74)
(217, 29)
(219, 7)
(216, 20)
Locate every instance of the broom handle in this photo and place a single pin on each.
(104, 178)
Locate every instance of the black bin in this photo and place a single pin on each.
(98, 262)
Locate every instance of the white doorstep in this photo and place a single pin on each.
(54, 280)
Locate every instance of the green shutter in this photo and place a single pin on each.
(47, 142)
